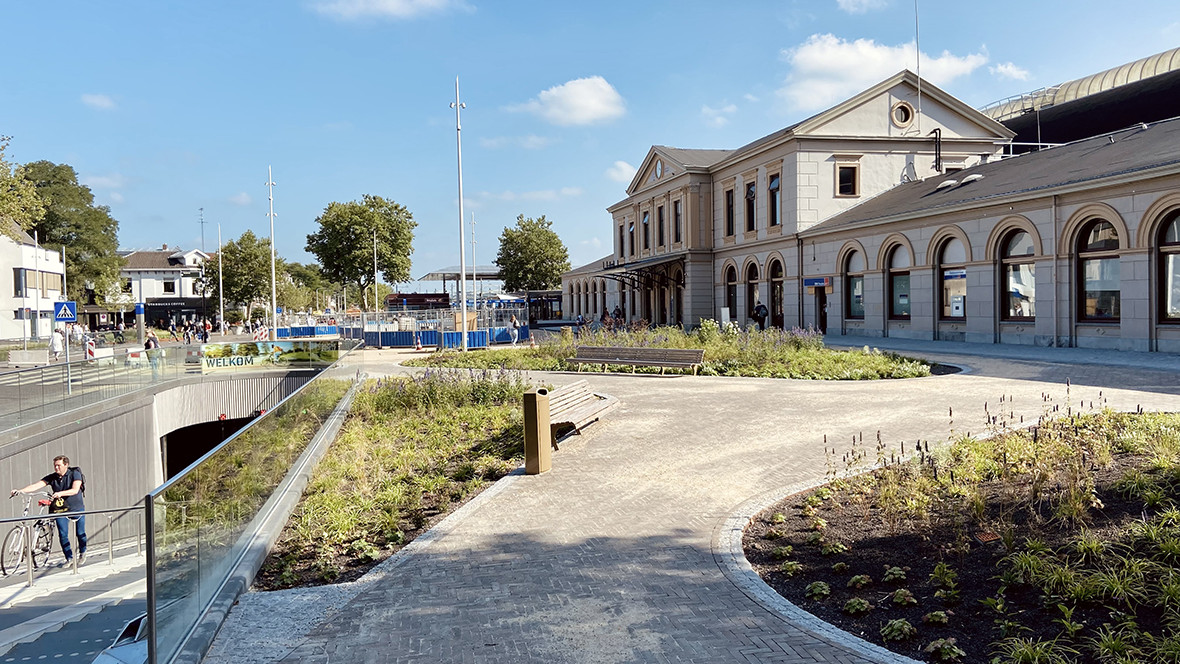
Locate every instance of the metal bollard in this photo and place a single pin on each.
(537, 455)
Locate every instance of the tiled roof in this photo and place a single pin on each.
(1121, 153)
(695, 158)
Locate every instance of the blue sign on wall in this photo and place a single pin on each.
(815, 282)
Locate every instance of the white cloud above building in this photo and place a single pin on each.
(718, 117)
(100, 102)
(389, 9)
(860, 6)
(621, 171)
(826, 69)
(1009, 70)
(582, 101)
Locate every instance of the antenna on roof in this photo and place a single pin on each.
(918, 60)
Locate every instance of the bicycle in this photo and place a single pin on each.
(15, 547)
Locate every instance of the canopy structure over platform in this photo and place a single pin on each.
(451, 274)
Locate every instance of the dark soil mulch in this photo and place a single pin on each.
(950, 536)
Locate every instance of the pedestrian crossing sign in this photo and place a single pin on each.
(66, 312)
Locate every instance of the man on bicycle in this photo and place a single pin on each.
(66, 483)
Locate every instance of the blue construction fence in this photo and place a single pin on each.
(407, 339)
(304, 331)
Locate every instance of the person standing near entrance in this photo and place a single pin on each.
(514, 329)
(760, 314)
(65, 482)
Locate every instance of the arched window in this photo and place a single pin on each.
(731, 291)
(1019, 277)
(1098, 272)
(776, 293)
(1169, 262)
(593, 308)
(602, 296)
(854, 286)
(899, 284)
(751, 288)
(952, 272)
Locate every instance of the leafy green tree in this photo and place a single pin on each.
(532, 256)
(246, 272)
(88, 232)
(307, 276)
(19, 202)
(343, 245)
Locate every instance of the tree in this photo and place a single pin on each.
(246, 271)
(344, 243)
(88, 232)
(532, 256)
(19, 202)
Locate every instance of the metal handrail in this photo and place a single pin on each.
(27, 522)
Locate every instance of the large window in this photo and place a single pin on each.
(676, 222)
(952, 269)
(1169, 262)
(660, 226)
(646, 231)
(622, 242)
(18, 282)
(1098, 272)
(774, 201)
(751, 197)
(854, 286)
(631, 237)
(847, 180)
(899, 284)
(776, 293)
(1019, 277)
(728, 212)
(731, 292)
(751, 289)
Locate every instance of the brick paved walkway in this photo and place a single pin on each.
(620, 554)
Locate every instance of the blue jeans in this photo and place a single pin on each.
(63, 534)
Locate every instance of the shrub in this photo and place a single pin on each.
(782, 552)
(817, 590)
(898, 630)
(944, 650)
(903, 597)
(840, 567)
(791, 567)
(936, 618)
(893, 574)
(857, 606)
(859, 581)
(833, 548)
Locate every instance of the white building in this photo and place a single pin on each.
(31, 280)
(166, 281)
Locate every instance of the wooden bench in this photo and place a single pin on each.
(664, 358)
(574, 405)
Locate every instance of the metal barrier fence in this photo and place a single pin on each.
(29, 548)
(205, 523)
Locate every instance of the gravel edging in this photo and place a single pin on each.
(265, 627)
(731, 558)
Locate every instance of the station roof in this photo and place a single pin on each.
(451, 273)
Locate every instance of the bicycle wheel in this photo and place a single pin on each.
(42, 543)
(13, 552)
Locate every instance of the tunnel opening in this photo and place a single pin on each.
(180, 448)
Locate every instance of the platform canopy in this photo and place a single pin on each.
(451, 273)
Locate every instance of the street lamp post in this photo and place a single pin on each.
(457, 105)
(274, 305)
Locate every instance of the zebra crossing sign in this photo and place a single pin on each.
(66, 312)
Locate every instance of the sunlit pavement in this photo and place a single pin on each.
(624, 551)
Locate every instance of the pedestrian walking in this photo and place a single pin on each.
(514, 329)
(151, 347)
(68, 486)
(57, 343)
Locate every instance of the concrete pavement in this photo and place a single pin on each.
(628, 550)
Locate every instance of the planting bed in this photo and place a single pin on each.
(1058, 546)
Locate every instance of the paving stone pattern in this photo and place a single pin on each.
(616, 555)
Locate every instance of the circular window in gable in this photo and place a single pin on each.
(902, 114)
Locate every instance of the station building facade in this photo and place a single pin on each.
(899, 213)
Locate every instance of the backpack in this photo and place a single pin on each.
(81, 475)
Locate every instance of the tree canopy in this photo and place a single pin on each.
(532, 256)
(246, 270)
(343, 245)
(88, 232)
(19, 202)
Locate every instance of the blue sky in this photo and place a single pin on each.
(164, 107)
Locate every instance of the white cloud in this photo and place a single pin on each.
(621, 171)
(530, 142)
(538, 195)
(860, 6)
(242, 198)
(581, 101)
(101, 102)
(826, 69)
(717, 117)
(115, 197)
(115, 181)
(593, 243)
(750, 98)
(394, 9)
(1009, 70)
